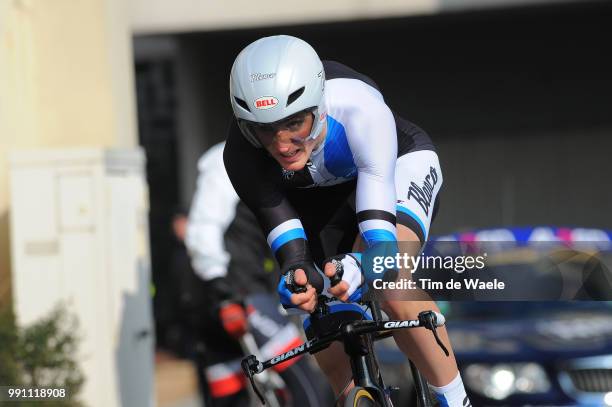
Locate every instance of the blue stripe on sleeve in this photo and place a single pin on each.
(289, 235)
(415, 217)
(374, 236)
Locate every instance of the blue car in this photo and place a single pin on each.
(533, 353)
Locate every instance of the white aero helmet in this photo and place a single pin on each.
(274, 78)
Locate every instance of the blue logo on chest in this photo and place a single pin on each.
(336, 151)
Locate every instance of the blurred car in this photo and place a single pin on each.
(534, 353)
(531, 353)
(546, 353)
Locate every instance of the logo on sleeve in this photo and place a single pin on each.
(424, 193)
(266, 102)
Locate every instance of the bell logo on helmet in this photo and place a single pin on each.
(256, 78)
(266, 102)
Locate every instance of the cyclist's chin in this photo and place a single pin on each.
(294, 163)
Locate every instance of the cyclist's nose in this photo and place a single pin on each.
(283, 140)
(283, 148)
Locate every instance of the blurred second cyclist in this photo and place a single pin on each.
(230, 253)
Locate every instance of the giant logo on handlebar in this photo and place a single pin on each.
(401, 324)
(291, 353)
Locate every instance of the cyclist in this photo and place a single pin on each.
(229, 253)
(320, 158)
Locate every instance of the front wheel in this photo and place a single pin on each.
(305, 386)
(360, 397)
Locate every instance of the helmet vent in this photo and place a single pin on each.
(242, 104)
(292, 97)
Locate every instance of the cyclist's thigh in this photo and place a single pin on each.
(418, 179)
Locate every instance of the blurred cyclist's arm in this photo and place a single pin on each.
(213, 209)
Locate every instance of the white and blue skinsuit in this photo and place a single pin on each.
(373, 170)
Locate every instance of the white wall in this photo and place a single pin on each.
(66, 79)
(162, 16)
(79, 236)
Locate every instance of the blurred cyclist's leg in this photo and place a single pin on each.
(226, 382)
(239, 399)
(217, 358)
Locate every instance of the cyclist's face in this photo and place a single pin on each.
(286, 140)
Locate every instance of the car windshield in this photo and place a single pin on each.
(513, 309)
(544, 272)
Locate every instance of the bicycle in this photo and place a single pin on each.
(351, 325)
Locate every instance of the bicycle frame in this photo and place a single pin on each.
(358, 337)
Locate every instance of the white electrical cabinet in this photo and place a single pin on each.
(79, 235)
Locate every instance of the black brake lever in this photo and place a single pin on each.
(251, 366)
(427, 319)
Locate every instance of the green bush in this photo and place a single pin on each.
(41, 355)
(9, 370)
